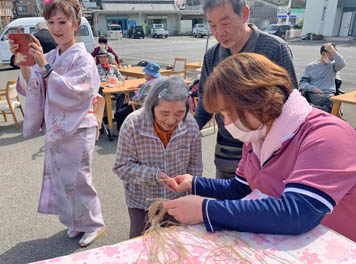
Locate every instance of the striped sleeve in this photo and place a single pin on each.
(231, 189)
(311, 192)
(292, 214)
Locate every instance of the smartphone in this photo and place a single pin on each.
(22, 57)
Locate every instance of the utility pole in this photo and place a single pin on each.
(5, 10)
(16, 13)
(289, 11)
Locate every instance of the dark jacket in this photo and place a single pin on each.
(46, 40)
(228, 150)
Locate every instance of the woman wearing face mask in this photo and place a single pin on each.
(103, 45)
(60, 92)
(302, 158)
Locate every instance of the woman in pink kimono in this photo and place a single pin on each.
(60, 91)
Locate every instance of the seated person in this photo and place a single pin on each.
(161, 138)
(106, 69)
(318, 78)
(152, 72)
(103, 44)
(302, 158)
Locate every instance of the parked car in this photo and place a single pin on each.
(199, 30)
(278, 30)
(29, 26)
(114, 31)
(158, 31)
(136, 32)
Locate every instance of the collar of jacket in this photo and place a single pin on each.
(149, 131)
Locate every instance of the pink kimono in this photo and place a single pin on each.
(61, 109)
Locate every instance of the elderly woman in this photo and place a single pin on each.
(104, 45)
(160, 139)
(302, 158)
(106, 69)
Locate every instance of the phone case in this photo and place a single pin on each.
(22, 57)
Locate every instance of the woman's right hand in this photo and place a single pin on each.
(180, 183)
(13, 46)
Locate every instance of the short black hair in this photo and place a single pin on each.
(103, 40)
(237, 5)
(322, 48)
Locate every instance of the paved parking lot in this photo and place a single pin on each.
(27, 236)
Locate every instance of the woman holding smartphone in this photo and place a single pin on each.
(60, 90)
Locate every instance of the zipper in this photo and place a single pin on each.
(269, 159)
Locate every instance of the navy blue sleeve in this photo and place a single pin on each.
(293, 214)
(221, 189)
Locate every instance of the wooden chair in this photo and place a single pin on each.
(212, 121)
(11, 101)
(179, 67)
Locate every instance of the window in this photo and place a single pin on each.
(22, 8)
(32, 30)
(14, 30)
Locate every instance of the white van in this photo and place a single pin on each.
(29, 26)
(114, 31)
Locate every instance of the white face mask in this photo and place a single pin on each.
(102, 46)
(244, 134)
(326, 59)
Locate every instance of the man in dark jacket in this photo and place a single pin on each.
(228, 23)
(45, 38)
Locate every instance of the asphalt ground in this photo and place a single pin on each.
(27, 236)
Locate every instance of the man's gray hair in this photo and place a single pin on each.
(169, 89)
(41, 25)
(237, 5)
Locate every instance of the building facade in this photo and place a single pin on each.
(330, 18)
(129, 13)
(262, 13)
(176, 15)
(25, 8)
(295, 16)
(6, 14)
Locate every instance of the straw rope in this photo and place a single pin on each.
(163, 245)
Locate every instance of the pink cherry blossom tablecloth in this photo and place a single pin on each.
(320, 245)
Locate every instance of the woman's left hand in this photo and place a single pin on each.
(36, 52)
(186, 210)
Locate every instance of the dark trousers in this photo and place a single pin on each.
(138, 220)
(120, 101)
(122, 109)
(224, 174)
(322, 101)
(121, 115)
